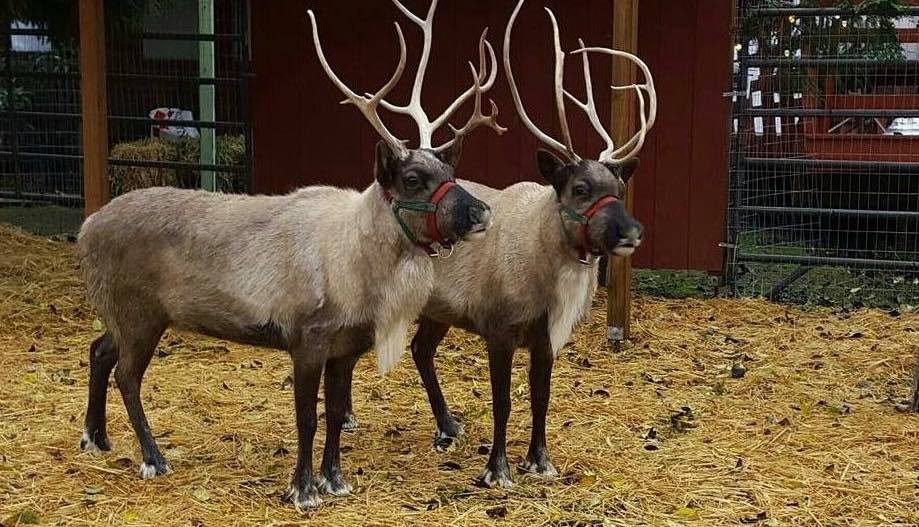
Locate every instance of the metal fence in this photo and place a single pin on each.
(177, 84)
(824, 182)
(40, 182)
(178, 99)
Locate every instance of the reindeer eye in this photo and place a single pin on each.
(411, 182)
(581, 190)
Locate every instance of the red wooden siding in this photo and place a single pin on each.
(681, 189)
(303, 136)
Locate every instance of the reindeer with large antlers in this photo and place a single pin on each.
(323, 273)
(531, 278)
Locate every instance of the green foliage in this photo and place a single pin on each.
(866, 32)
(19, 95)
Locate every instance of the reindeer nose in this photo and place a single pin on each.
(480, 217)
(633, 233)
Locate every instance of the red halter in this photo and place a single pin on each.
(428, 207)
(584, 219)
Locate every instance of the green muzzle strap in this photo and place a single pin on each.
(415, 206)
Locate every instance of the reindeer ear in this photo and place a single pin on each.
(550, 166)
(624, 170)
(384, 165)
(451, 155)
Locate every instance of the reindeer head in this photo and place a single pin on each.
(589, 191)
(432, 210)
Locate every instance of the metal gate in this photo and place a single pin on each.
(824, 183)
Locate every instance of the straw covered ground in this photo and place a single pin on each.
(658, 434)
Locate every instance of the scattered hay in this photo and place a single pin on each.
(660, 434)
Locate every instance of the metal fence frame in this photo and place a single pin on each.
(746, 161)
(13, 117)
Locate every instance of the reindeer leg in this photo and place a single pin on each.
(136, 345)
(309, 360)
(424, 345)
(102, 359)
(497, 473)
(349, 422)
(354, 345)
(338, 373)
(541, 360)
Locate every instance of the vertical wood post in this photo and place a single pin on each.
(94, 106)
(619, 278)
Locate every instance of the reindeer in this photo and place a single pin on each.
(323, 273)
(530, 279)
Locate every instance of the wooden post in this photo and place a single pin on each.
(619, 278)
(94, 106)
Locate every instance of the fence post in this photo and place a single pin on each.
(94, 106)
(619, 281)
(206, 102)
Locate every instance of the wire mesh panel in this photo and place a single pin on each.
(40, 182)
(824, 201)
(178, 94)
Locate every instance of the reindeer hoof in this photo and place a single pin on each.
(152, 470)
(496, 478)
(95, 443)
(303, 499)
(444, 439)
(539, 467)
(350, 423)
(334, 485)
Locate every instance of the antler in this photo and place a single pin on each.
(368, 104)
(634, 144)
(477, 118)
(565, 149)
(482, 82)
(611, 154)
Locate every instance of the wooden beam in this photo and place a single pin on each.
(94, 106)
(619, 278)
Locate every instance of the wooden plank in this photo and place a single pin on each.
(675, 77)
(645, 197)
(93, 106)
(708, 175)
(619, 282)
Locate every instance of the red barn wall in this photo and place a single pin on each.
(303, 136)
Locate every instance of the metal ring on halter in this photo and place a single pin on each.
(441, 255)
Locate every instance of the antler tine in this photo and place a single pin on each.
(484, 45)
(634, 144)
(367, 105)
(559, 84)
(638, 140)
(477, 118)
(590, 107)
(560, 148)
(414, 108)
(483, 81)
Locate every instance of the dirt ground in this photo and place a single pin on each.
(661, 433)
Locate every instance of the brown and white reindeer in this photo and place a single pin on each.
(323, 273)
(532, 276)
